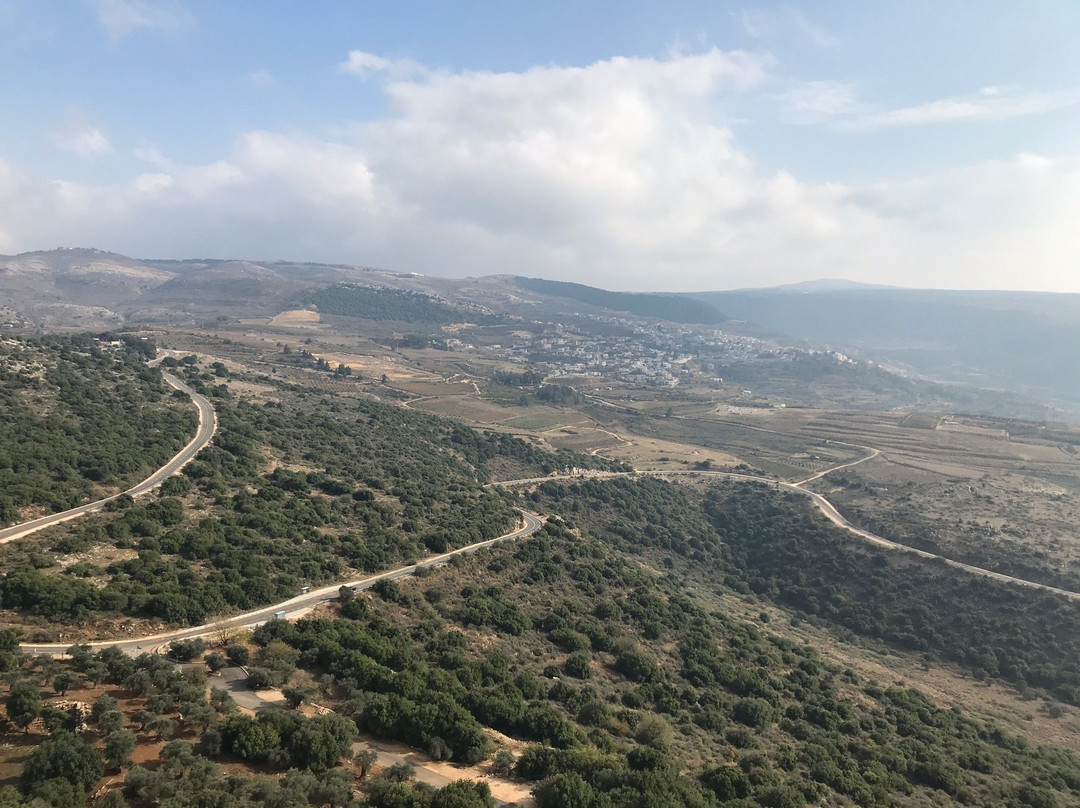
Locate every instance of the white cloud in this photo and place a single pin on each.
(838, 102)
(615, 173)
(819, 101)
(989, 104)
(122, 17)
(365, 65)
(83, 139)
(153, 183)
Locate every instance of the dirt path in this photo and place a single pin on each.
(872, 454)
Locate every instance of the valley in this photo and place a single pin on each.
(564, 548)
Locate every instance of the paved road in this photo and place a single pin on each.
(826, 507)
(205, 433)
(293, 607)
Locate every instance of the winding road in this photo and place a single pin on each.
(294, 607)
(827, 508)
(306, 601)
(203, 436)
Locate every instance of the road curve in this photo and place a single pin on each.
(203, 436)
(291, 607)
(823, 505)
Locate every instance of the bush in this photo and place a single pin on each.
(578, 665)
(753, 712)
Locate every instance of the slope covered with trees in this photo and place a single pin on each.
(770, 543)
(604, 643)
(80, 416)
(677, 309)
(376, 303)
(633, 692)
(293, 491)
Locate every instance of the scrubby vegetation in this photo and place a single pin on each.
(770, 543)
(603, 642)
(79, 414)
(292, 492)
(146, 702)
(635, 693)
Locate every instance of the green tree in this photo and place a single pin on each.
(23, 704)
(56, 720)
(261, 679)
(210, 743)
(295, 696)
(164, 727)
(57, 793)
(251, 740)
(186, 650)
(222, 701)
(463, 794)
(216, 662)
(65, 757)
(503, 763)
(577, 665)
(319, 743)
(753, 712)
(567, 790)
(114, 799)
(119, 745)
(104, 704)
(653, 730)
(364, 760)
(111, 721)
(65, 681)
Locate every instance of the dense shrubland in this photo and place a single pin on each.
(290, 493)
(587, 641)
(770, 543)
(635, 693)
(376, 303)
(80, 414)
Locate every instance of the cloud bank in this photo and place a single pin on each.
(618, 173)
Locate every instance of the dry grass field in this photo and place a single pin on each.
(295, 318)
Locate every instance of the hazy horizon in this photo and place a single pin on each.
(813, 284)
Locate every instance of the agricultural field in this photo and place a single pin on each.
(296, 318)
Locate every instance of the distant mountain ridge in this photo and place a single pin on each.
(1025, 342)
(675, 308)
(827, 285)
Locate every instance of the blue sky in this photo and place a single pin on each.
(684, 145)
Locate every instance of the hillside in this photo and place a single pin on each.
(374, 303)
(663, 307)
(656, 644)
(81, 416)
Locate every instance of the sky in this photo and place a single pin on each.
(677, 146)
